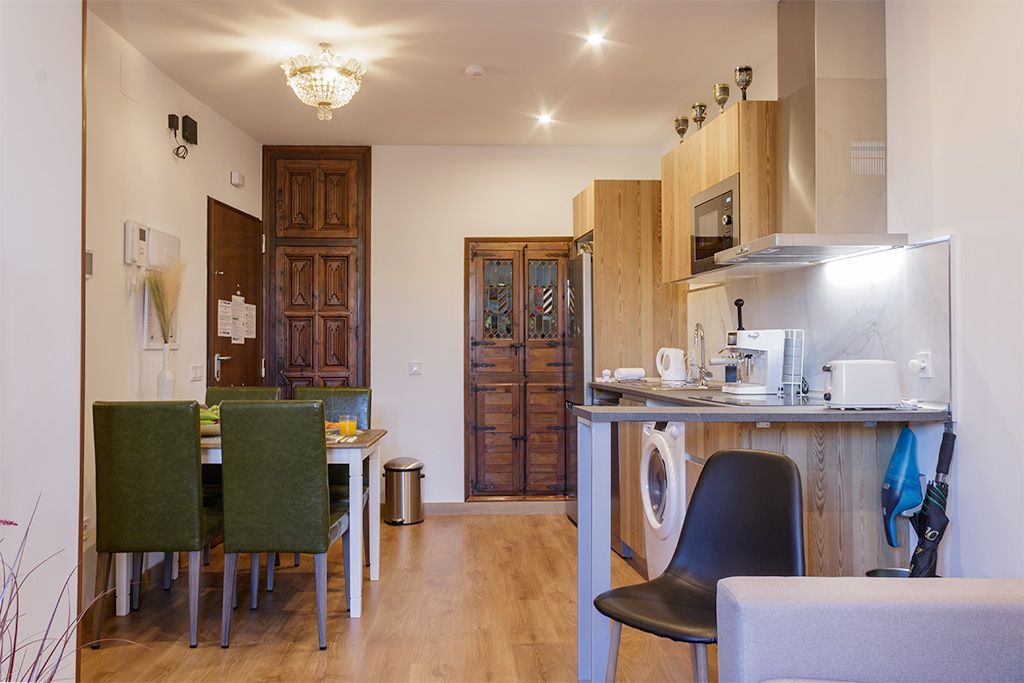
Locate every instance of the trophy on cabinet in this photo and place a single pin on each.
(682, 123)
(744, 77)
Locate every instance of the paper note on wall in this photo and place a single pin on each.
(250, 321)
(237, 319)
(223, 318)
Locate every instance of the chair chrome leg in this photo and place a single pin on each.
(102, 581)
(346, 548)
(254, 580)
(297, 560)
(136, 588)
(193, 597)
(168, 570)
(230, 563)
(366, 534)
(613, 651)
(271, 562)
(206, 555)
(699, 659)
(320, 561)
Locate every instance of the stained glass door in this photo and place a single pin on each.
(497, 330)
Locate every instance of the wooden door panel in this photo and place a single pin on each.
(545, 439)
(496, 311)
(296, 197)
(337, 200)
(233, 267)
(317, 316)
(545, 272)
(497, 425)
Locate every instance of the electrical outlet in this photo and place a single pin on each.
(921, 365)
(416, 367)
(86, 536)
(195, 372)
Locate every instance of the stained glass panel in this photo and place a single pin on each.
(497, 299)
(542, 299)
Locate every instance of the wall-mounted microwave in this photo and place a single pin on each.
(716, 223)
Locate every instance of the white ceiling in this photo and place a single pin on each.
(658, 58)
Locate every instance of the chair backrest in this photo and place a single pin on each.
(745, 518)
(215, 395)
(275, 476)
(340, 401)
(148, 487)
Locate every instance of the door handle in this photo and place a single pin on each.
(217, 360)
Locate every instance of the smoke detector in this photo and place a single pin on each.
(475, 71)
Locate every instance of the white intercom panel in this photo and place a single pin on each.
(136, 244)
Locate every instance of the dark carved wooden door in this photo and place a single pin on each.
(515, 368)
(316, 208)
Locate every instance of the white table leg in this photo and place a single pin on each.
(594, 444)
(374, 512)
(121, 603)
(354, 558)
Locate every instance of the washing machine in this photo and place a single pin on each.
(663, 492)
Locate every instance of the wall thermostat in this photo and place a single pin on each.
(136, 244)
(236, 179)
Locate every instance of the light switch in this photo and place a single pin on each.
(416, 367)
(195, 373)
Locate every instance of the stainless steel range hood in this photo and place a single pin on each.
(831, 141)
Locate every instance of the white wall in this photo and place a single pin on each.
(40, 296)
(425, 201)
(956, 165)
(133, 175)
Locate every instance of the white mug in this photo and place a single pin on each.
(671, 364)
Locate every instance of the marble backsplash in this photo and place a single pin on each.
(890, 305)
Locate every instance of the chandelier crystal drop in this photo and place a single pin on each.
(324, 81)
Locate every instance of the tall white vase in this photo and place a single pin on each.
(165, 380)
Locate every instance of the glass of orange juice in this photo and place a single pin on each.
(348, 425)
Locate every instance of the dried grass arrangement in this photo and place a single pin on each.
(164, 287)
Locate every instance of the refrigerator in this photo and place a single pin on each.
(579, 374)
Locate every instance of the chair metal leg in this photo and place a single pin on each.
(254, 580)
(193, 597)
(346, 548)
(230, 563)
(613, 652)
(102, 581)
(297, 560)
(699, 659)
(136, 588)
(320, 562)
(206, 555)
(272, 560)
(366, 534)
(168, 570)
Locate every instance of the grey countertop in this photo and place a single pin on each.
(691, 405)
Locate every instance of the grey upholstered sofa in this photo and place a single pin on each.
(866, 630)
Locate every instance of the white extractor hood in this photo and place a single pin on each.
(831, 142)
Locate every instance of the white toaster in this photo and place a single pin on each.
(860, 384)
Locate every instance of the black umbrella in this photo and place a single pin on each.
(930, 523)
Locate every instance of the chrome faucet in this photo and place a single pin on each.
(698, 338)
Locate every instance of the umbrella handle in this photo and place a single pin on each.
(945, 456)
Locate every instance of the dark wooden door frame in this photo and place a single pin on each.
(469, 464)
(271, 155)
(211, 315)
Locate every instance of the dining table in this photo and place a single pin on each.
(351, 450)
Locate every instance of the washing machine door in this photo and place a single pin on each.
(659, 485)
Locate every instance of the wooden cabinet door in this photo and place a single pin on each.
(317, 198)
(544, 313)
(317, 317)
(497, 434)
(545, 439)
(496, 311)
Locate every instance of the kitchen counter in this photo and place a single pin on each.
(698, 405)
(841, 456)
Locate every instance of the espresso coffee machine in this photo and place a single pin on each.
(767, 361)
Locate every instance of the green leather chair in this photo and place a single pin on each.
(275, 494)
(211, 473)
(340, 401)
(149, 495)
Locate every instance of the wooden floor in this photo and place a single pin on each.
(472, 598)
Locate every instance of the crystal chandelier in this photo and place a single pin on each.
(324, 81)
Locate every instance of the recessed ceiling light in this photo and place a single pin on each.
(544, 119)
(595, 39)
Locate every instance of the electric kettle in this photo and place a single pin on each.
(671, 364)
